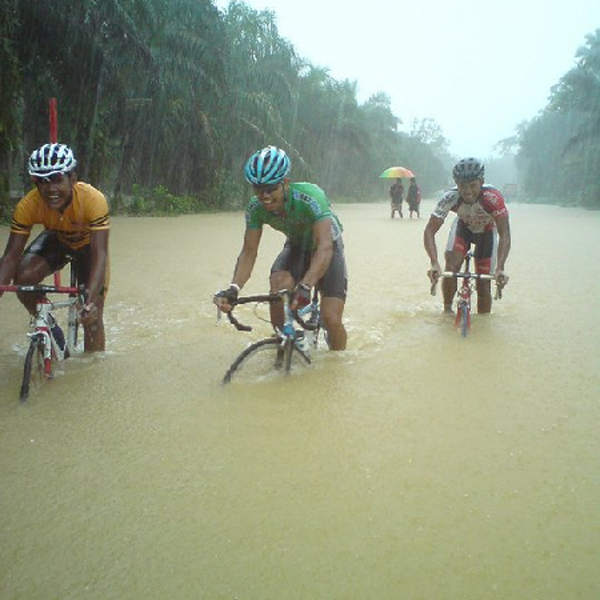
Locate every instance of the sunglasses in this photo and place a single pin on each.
(54, 178)
(266, 189)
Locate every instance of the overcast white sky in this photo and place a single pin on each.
(479, 68)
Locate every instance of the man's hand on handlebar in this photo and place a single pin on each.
(434, 275)
(501, 278)
(226, 299)
(300, 297)
(88, 313)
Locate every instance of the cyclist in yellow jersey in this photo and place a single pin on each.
(76, 223)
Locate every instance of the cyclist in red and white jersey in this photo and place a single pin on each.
(481, 220)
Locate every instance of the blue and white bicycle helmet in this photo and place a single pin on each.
(468, 169)
(51, 159)
(267, 166)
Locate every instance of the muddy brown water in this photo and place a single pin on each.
(416, 465)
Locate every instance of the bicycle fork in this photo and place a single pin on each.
(463, 306)
(43, 337)
(42, 326)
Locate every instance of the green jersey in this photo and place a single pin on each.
(304, 205)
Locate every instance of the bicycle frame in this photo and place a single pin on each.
(289, 339)
(465, 292)
(44, 350)
(290, 317)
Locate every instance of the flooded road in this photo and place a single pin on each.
(416, 465)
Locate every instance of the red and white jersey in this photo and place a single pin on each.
(478, 217)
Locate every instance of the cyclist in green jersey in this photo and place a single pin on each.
(313, 253)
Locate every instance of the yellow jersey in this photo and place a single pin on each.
(88, 211)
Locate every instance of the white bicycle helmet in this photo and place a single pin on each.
(267, 166)
(51, 159)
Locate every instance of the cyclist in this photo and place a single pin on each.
(482, 220)
(75, 217)
(313, 254)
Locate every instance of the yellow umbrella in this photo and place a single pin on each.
(396, 172)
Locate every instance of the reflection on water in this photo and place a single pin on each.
(415, 465)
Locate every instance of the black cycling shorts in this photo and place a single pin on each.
(296, 261)
(57, 255)
(461, 237)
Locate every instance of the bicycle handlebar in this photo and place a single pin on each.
(485, 276)
(40, 289)
(259, 298)
(467, 275)
(249, 300)
(297, 314)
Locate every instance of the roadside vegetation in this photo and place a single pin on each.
(163, 100)
(557, 153)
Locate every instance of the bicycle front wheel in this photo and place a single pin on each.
(265, 358)
(33, 371)
(464, 319)
(288, 350)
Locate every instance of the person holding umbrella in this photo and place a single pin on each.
(397, 190)
(397, 195)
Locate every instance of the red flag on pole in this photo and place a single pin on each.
(53, 120)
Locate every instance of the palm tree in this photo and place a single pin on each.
(10, 85)
(562, 144)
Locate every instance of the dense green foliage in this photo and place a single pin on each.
(173, 95)
(163, 100)
(559, 150)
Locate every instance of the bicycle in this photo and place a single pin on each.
(289, 340)
(45, 349)
(465, 292)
